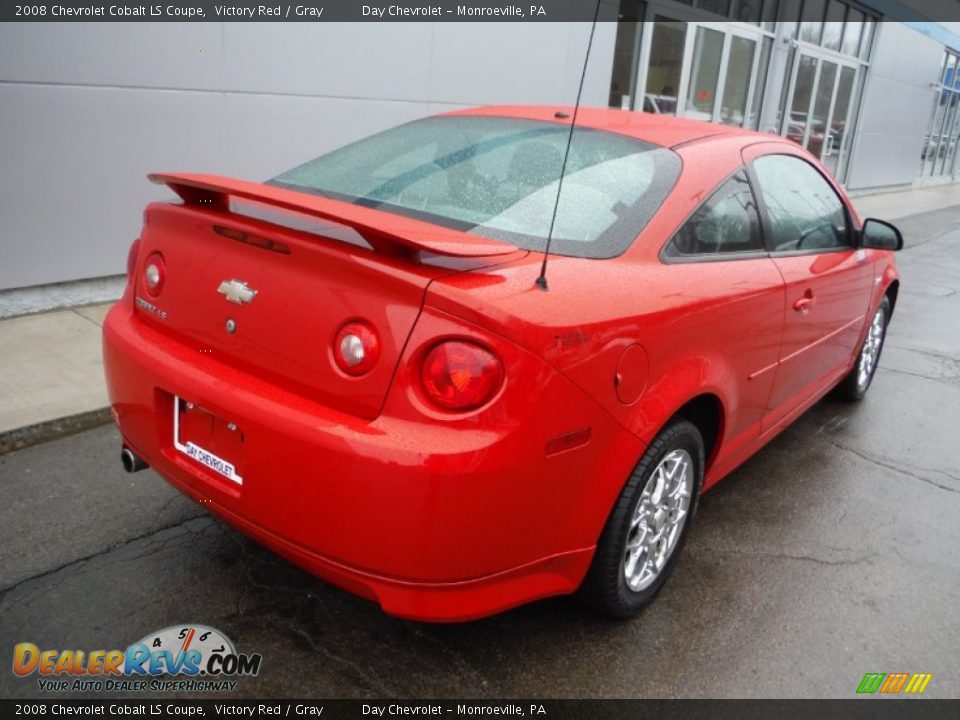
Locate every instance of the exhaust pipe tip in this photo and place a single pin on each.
(131, 461)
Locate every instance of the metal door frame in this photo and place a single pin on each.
(693, 21)
(820, 56)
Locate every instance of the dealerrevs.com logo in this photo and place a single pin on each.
(197, 657)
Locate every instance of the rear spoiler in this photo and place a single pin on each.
(386, 232)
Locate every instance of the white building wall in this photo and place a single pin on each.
(86, 110)
(901, 88)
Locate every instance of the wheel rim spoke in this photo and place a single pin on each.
(658, 519)
(871, 348)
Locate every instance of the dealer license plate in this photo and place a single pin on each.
(211, 426)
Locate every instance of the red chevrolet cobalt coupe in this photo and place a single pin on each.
(354, 363)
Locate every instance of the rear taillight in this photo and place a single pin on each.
(154, 274)
(356, 348)
(461, 375)
(132, 258)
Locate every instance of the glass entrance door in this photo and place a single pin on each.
(821, 91)
(703, 70)
(940, 149)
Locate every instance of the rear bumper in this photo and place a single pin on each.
(425, 601)
(433, 520)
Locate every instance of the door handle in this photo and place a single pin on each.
(804, 303)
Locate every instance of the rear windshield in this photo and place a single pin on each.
(497, 177)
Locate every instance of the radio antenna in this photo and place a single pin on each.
(541, 281)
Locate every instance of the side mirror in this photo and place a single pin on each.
(880, 235)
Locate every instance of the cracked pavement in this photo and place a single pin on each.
(833, 552)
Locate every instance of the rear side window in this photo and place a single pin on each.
(498, 177)
(805, 212)
(726, 223)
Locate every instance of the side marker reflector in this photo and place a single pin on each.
(568, 441)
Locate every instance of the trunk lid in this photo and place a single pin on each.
(289, 270)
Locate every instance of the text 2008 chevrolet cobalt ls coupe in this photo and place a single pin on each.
(354, 364)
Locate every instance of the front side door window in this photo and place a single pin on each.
(804, 212)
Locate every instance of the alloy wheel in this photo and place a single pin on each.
(658, 520)
(871, 348)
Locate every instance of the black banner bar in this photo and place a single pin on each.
(853, 709)
(373, 11)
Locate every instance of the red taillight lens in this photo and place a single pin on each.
(356, 348)
(154, 273)
(461, 375)
(132, 258)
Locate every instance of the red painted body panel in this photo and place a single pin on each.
(386, 502)
(450, 516)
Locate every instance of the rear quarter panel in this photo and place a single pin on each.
(705, 327)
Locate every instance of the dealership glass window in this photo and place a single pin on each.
(868, 27)
(930, 149)
(718, 7)
(796, 125)
(811, 20)
(665, 66)
(760, 84)
(790, 16)
(769, 14)
(852, 31)
(749, 11)
(949, 157)
(686, 64)
(837, 132)
(939, 154)
(819, 127)
(943, 67)
(704, 73)
(737, 86)
(756, 12)
(681, 58)
(833, 27)
(622, 78)
(782, 101)
(832, 24)
(829, 60)
(855, 98)
(948, 140)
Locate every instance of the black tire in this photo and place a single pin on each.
(605, 587)
(855, 385)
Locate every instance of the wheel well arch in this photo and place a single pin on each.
(893, 289)
(705, 411)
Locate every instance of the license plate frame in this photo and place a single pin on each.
(200, 455)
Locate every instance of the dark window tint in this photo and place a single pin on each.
(804, 211)
(726, 223)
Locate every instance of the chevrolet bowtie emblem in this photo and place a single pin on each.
(236, 291)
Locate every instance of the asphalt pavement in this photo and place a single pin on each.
(833, 552)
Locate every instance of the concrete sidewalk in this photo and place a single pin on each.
(52, 380)
(892, 206)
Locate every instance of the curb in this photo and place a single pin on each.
(52, 429)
